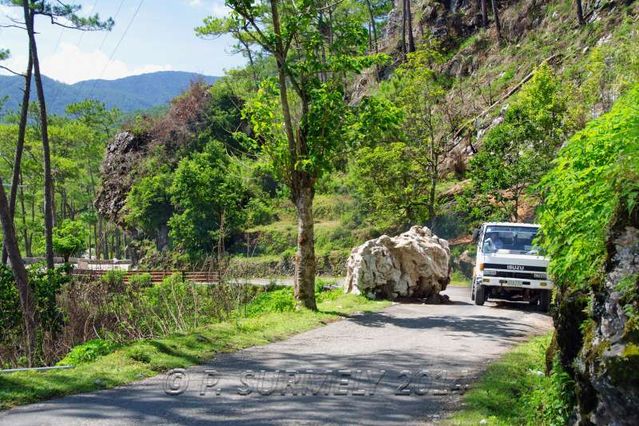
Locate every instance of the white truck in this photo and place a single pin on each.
(509, 266)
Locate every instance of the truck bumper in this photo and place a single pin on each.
(515, 283)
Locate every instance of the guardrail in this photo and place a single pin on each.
(207, 277)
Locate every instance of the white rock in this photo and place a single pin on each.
(413, 264)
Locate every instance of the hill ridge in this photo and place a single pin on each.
(129, 94)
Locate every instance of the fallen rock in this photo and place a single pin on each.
(414, 264)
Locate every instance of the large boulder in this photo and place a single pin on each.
(414, 264)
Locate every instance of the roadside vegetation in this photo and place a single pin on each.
(183, 338)
(517, 390)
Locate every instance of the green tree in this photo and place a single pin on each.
(518, 152)
(389, 185)
(10, 243)
(207, 196)
(149, 208)
(69, 238)
(428, 119)
(315, 45)
(66, 16)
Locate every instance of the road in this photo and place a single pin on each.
(444, 347)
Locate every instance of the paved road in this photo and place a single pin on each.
(444, 346)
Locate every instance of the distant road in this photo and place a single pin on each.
(452, 342)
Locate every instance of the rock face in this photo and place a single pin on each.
(118, 172)
(414, 264)
(599, 344)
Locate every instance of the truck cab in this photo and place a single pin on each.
(509, 266)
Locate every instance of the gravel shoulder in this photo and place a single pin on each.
(330, 375)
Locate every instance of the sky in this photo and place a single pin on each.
(160, 37)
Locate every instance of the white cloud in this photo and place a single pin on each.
(216, 8)
(219, 9)
(70, 65)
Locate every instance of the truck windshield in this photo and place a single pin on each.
(510, 239)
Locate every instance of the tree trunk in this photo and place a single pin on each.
(580, 13)
(497, 22)
(48, 179)
(484, 13)
(432, 197)
(305, 267)
(373, 25)
(25, 229)
(27, 301)
(403, 46)
(300, 183)
(22, 130)
(409, 17)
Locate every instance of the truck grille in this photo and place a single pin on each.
(514, 268)
(510, 274)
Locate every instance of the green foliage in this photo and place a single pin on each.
(208, 198)
(88, 352)
(272, 301)
(46, 286)
(69, 238)
(514, 390)
(389, 184)
(594, 179)
(114, 279)
(516, 153)
(148, 204)
(140, 280)
(552, 402)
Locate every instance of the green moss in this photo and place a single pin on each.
(624, 370)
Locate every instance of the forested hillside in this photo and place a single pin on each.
(354, 119)
(129, 94)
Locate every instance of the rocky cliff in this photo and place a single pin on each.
(598, 336)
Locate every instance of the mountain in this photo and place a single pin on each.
(139, 92)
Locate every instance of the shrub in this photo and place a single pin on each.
(594, 179)
(46, 286)
(88, 351)
(114, 279)
(273, 301)
(140, 280)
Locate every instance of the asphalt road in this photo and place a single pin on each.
(330, 375)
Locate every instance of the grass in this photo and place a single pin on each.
(515, 391)
(457, 279)
(146, 358)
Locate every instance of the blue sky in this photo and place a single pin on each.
(161, 37)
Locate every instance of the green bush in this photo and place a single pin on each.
(88, 351)
(594, 180)
(140, 280)
(272, 301)
(46, 286)
(114, 279)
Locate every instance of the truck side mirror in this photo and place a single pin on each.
(475, 235)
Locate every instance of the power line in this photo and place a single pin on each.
(115, 49)
(106, 35)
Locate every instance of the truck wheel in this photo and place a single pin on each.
(480, 295)
(544, 300)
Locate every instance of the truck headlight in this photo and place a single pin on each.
(489, 272)
(539, 276)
